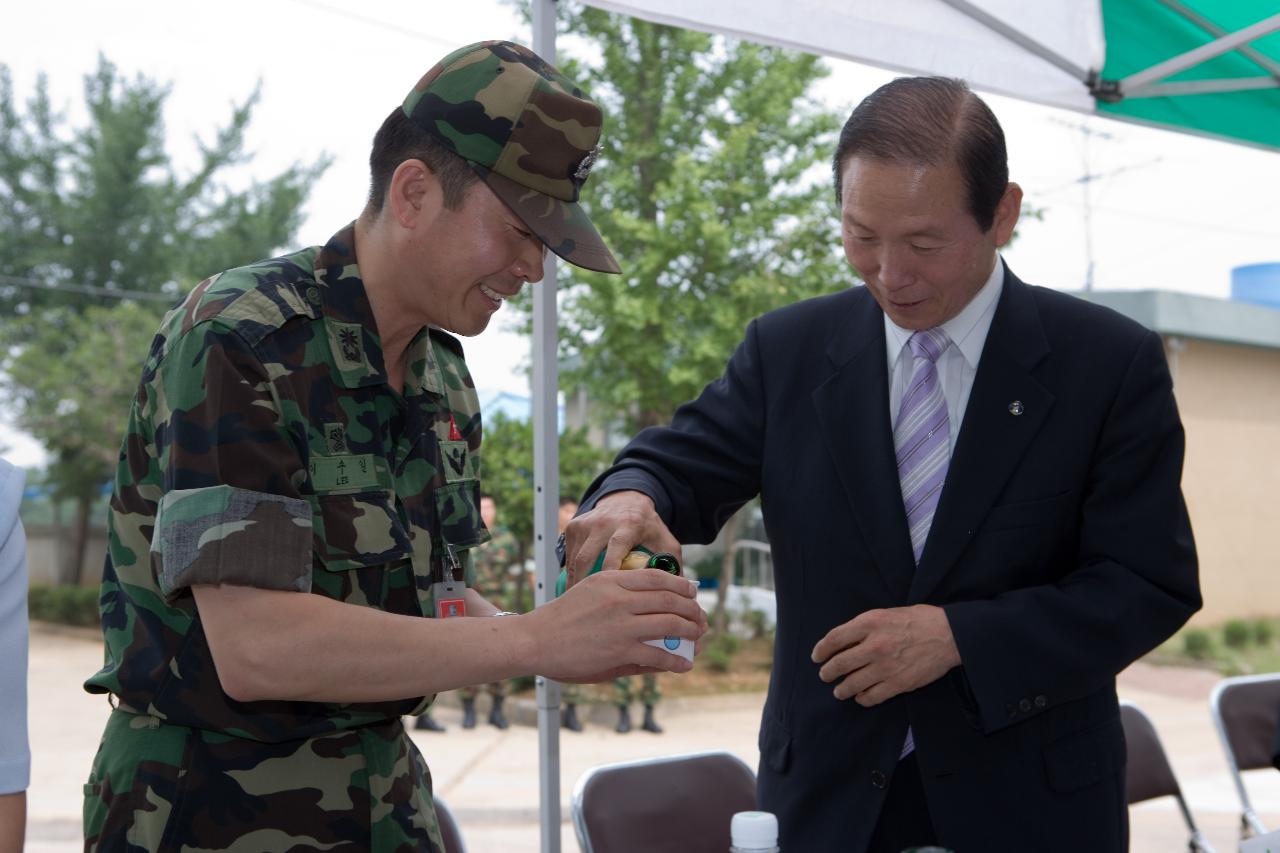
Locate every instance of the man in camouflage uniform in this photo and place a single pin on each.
(301, 469)
(570, 694)
(650, 695)
(493, 580)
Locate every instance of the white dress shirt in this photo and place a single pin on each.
(957, 367)
(958, 364)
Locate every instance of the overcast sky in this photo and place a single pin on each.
(1169, 211)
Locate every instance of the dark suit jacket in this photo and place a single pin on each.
(1060, 551)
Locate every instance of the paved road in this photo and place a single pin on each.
(490, 778)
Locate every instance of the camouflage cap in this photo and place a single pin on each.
(527, 130)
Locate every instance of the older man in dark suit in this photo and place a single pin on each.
(972, 489)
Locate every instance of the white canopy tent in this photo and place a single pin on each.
(955, 39)
(1203, 66)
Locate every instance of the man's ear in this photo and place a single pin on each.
(414, 196)
(1007, 212)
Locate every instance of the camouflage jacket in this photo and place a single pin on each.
(493, 566)
(265, 448)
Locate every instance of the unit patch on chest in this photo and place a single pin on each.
(454, 456)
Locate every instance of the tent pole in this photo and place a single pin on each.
(546, 490)
(1261, 60)
(1200, 54)
(1202, 87)
(1019, 38)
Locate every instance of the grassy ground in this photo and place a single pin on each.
(1236, 647)
(745, 670)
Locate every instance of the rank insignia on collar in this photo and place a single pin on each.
(584, 168)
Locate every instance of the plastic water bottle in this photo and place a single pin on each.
(753, 832)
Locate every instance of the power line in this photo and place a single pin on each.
(85, 289)
(1173, 220)
(375, 22)
(1095, 176)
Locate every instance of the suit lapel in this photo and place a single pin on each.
(992, 437)
(853, 414)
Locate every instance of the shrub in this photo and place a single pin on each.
(1263, 632)
(717, 659)
(758, 623)
(1196, 643)
(1236, 667)
(720, 651)
(1236, 633)
(69, 605)
(706, 570)
(521, 683)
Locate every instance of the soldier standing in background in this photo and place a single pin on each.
(493, 580)
(650, 695)
(571, 694)
(298, 488)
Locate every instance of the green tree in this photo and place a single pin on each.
(711, 188)
(507, 474)
(102, 207)
(77, 403)
(713, 191)
(99, 223)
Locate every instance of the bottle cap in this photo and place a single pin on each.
(754, 831)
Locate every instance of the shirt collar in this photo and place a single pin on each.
(967, 330)
(349, 323)
(348, 317)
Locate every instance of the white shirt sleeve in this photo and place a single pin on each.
(15, 752)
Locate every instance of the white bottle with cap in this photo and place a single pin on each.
(753, 832)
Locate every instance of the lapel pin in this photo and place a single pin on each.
(1015, 408)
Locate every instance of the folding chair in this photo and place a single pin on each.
(1246, 710)
(682, 802)
(1148, 775)
(449, 829)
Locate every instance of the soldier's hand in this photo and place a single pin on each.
(596, 631)
(615, 525)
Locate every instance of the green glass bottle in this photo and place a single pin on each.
(639, 557)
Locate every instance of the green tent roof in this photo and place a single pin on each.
(1141, 34)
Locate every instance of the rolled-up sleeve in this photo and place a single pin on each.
(234, 536)
(230, 511)
(15, 750)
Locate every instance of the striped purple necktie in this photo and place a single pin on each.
(922, 437)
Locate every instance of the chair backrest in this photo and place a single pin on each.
(1246, 711)
(681, 802)
(449, 829)
(1147, 774)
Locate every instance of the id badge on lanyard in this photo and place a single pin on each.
(449, 587)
